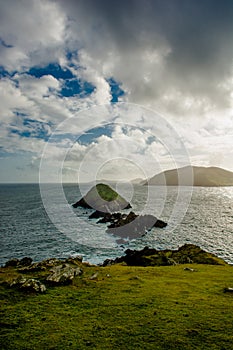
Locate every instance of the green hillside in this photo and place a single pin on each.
(122, 308)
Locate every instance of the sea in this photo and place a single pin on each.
(39, 221)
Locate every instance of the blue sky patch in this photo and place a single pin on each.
(53, 69)
(92, 134)
(33, 129)
(116, 89)
(4, 44)
(151, 139)
(74, 87)
(71, 86)
(4, 73)
(70, 55)
(20, 114)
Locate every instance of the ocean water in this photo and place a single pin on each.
(48, 226)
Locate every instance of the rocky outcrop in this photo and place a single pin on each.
(63, 274)
(186, 254)
(28, 285)
(102, 198)
(128, 225)
(19, 262)
(57, 272)
(41, 266)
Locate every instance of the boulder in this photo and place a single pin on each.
(25, 261)
(18, 281)
(94, 276)
(33, 285)
(63, 274)
(189, 269)
(12, 263)
(98, 214)
(28, 284)
(102, 198)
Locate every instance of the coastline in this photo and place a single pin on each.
(181, 306)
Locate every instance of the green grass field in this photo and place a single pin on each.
(124, 308)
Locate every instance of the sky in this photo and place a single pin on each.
(114, 89)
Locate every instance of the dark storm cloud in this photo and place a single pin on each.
(197, 30)
(198, 33)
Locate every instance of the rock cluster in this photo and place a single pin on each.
(18, 262)
(63, 274)
(128, 225)
(60, 273)
(187, 254)
(28, 284)
(107, 203)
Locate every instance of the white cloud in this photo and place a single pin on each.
(35, 29)
(181, 68)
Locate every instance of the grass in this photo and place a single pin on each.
(106, 192)
(124, 308)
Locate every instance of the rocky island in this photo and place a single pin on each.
(127, 226)
(106, 201)
(102, 198)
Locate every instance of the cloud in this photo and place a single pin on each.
(34, 32)
(58, 58)
(175, 49)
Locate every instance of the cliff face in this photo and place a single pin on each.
(193, 176)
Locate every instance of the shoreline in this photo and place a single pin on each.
(185, 254)
(177, 307)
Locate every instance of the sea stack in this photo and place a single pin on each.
(103, 198)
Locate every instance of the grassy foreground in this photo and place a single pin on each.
(123, 308)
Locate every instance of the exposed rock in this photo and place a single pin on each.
(28, 284)
(128, 225)
(25, 261)
(18, 281)
(33, 285)
(19, 262)
(77, 260)
(228, 290)
(188, 253)
(63, 274)
(41, 266)
(189, 269)
(94, 276)
(109, 262)
(12, 262)
(102, 198)
(98, 214)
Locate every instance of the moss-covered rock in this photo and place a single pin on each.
(102, 198)
(188, 253)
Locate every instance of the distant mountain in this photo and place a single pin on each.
(136, 181)
(192, 176)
